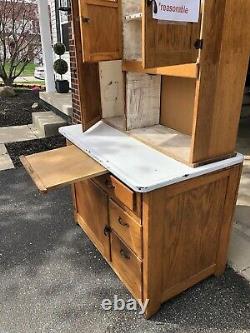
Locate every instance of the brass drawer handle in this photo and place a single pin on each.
(124, 254)
(124, 224)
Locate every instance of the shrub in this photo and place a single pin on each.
(59, 49)
(61, 66)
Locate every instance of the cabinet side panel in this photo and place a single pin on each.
(186, 230)
(223, 67)
(191, 231)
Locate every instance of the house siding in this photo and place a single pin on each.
(66, 56)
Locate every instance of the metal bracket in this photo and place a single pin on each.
(85, 19)
(154, 3)
(107, 230)
(198, 44)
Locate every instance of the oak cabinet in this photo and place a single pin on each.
(100, 29)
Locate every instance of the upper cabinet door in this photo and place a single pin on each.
(167, 43)
(100, 29)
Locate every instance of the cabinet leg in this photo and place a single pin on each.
(152, 309)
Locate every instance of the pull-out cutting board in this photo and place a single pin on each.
(59, 167)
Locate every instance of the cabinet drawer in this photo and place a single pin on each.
(117, 190)
(126, 227)
(127, 266)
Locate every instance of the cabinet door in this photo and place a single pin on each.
(167, 43)
(92, 214)
(100, 29)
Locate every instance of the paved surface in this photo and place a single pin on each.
(17, 133)
(53, 280)
(5, 160)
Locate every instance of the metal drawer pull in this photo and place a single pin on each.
(124, 254)
(124, 224)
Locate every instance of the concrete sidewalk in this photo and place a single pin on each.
(53, 279)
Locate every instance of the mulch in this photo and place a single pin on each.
(16, 111)
(17, 149)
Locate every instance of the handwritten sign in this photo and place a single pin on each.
(176, 10)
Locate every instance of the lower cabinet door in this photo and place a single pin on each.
(92, 214)
(127, 266)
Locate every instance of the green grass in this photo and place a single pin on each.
(28, 71)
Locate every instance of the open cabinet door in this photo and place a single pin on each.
(100, 22)
(62, 166)
(167, 43)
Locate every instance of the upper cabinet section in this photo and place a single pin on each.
(167, 43)
(100, 22)
(125, 29)
(156, 43)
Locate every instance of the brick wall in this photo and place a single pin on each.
(76, 116)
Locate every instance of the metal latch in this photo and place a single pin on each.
(85, 19)
(198, 44)
(154, 3)
(107, 230)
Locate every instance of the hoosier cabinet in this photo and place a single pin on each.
(153, 166)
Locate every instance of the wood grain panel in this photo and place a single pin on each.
(127, 266)
(223, 66)
(101, 38)
(177, 103)
(126, 227)
(167, 44)
(117, 190)
(60, 167)
(191, 231)
(92, 207)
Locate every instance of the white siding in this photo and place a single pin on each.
(54, 39)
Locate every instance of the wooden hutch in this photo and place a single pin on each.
(153, 166)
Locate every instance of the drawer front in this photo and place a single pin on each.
(127, 266)
(117, 190)
(126, 227)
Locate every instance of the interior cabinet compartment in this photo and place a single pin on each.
(101, 38)
(142, 100)
(112, 93)
(164, 43)
(172, 134)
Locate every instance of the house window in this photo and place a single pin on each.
(63, 27)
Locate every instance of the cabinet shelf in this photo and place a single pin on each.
(166, 140)
(185, 70)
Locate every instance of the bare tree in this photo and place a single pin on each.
(19, 37)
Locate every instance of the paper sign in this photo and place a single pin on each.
(176, 10)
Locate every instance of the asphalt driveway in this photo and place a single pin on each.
(53, 280)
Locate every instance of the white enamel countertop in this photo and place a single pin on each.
(139, 166)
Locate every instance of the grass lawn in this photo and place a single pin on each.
(29, 69)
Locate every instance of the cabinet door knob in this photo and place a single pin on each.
(124, 254)
(120, 221)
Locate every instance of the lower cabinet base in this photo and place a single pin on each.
(185, 234)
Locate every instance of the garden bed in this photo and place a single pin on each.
(15, 111)
(17, 149)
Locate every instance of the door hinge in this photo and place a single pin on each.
(154, 3)
(107, 230)
(198, 44)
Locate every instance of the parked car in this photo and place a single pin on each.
(39, 73)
